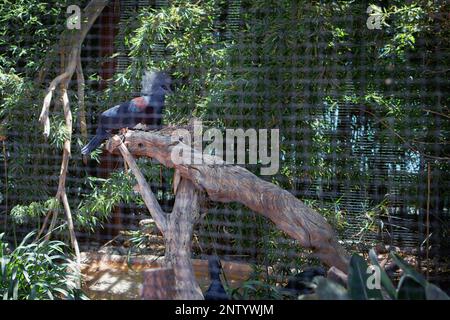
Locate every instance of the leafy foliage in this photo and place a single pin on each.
(38, 271)
(27, 158)
(255, 290)
(20, 213)
(96, 207)
(412, 285)
(183, 38)
(25, 47)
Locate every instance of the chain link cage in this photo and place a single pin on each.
(358, 93)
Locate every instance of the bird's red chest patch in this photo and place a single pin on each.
(140, 102)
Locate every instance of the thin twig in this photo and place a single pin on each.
(408, 144)
(438, 113)
(44, 225)
(5, 167)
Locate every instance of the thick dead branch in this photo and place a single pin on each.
(149, 198)
(228, 183)
(81, 104)
(65, 76)
(159, 284)
(180, 226)
(61, 194)
(70, 63)
(177, 227)
(90, 14)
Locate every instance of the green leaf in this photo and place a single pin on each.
(25, 239)
(385, 280)
(64, 293)
(330, 290)
(26, 276)
(408, 270)
(32, 295)
(16, 290)
(3, 264)
(435, 293)
(357, 280)
(410, 289)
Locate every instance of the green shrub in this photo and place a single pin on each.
(37, 271)
(412, 285)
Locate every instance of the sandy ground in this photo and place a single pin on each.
(118, 277)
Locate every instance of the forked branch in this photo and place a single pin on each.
(72, 62)
(229, 183)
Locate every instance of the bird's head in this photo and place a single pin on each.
(156, 84)
(214, 267)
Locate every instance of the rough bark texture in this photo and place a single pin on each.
(90, 14)
(158, 284)
(178, 238)
(69, 64)
(144, 189)
(228, 183)
(176, 227)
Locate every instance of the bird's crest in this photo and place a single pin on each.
(153, 80)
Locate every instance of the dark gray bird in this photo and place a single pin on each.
(146, 109)
(216, 291)
(302, 283)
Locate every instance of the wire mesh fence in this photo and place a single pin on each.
(358, 95)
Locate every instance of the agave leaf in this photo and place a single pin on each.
(410, 289)
(385, 280)
(408, 270)
(357, 280)
(435, 293)
(330, 290)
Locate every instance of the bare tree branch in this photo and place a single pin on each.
(61, 194)
(72, 62)
(228, 183)
(149, 198)
(90, 14)
(177, 227)
(81, 103)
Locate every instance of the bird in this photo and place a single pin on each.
(302, 283)
(146, 109)
(216, 291)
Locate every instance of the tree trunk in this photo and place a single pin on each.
(178, 239)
